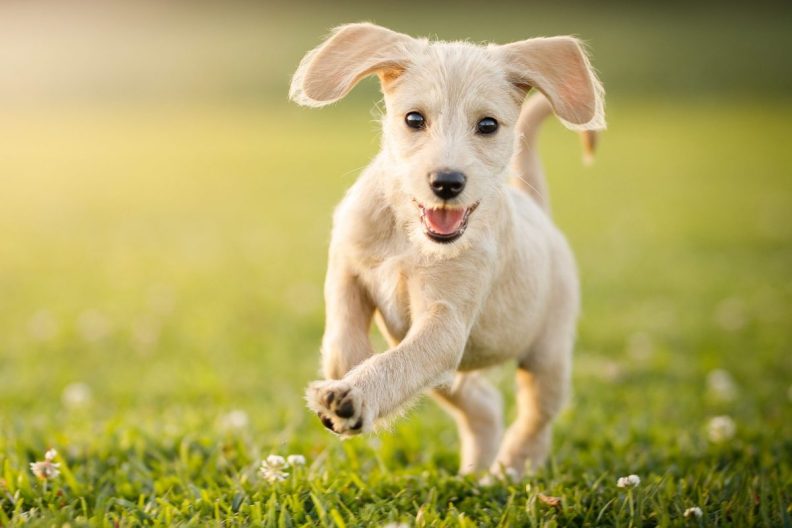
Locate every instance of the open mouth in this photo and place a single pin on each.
(445, 224)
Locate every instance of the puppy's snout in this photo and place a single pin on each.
(446, 184)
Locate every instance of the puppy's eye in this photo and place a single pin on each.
(415, 120)
(488, 125)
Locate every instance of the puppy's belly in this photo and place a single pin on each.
(476, 358)
(503, 336)
(506, 336)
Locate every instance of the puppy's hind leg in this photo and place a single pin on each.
(542, 386)
(477, 408)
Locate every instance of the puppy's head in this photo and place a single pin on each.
(451, 109)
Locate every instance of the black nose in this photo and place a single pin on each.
(446, 184)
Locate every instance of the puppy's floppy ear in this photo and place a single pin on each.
(352, 52)
(559, 68)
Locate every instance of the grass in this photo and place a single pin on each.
(172, 263)
(163, 230)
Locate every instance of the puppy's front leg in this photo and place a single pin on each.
(384, 382)
(349, 311)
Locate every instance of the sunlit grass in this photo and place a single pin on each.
(170, 263)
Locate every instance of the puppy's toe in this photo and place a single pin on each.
(501, 473)
(327, 422)
(340, 407)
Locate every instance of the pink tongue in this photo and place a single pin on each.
(444, 221)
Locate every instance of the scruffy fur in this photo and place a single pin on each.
(507, 289)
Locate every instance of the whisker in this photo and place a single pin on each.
(534, 189)
(357, 169)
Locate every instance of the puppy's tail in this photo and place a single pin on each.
(526, 165)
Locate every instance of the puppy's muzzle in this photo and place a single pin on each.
(447, 184)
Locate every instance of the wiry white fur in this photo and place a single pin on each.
(506, 290)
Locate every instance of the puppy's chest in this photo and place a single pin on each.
(386, 282)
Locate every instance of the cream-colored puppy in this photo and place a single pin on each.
(462, 270)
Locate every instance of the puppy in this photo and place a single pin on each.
(461, 267)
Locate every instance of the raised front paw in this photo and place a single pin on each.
(339, 406)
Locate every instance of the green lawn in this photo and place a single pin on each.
(169, 263)
(164, 219)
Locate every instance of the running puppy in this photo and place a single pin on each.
(461, 269)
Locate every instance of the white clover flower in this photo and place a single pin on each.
(396, 525)
(46, 469)
(273, 468)
(234, 420)
(721, 385)
(273, 476)
(630, 481)
(295, 460)
(43, 326)
(695, 511)
(609, 370)
(76, 395)
(276, 461)
(93, 326)
(721, 429)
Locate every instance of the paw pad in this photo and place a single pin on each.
(339, 406)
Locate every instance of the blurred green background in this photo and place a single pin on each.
(165, 213)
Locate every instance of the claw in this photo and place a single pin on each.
(327, 422)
